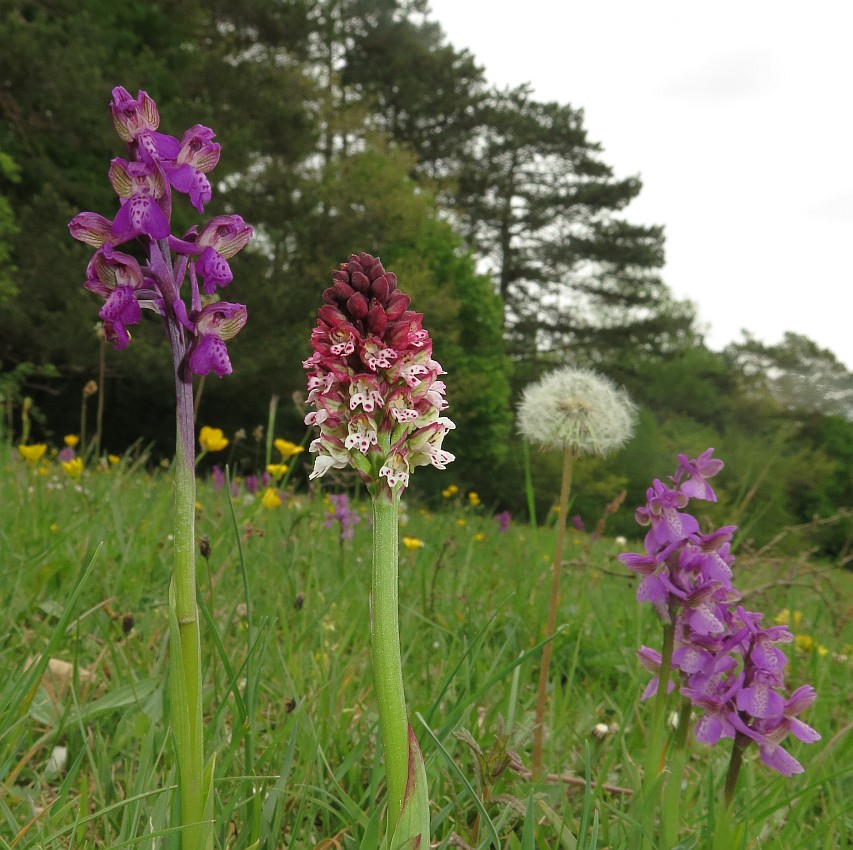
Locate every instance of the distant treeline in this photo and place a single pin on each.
(352, 125)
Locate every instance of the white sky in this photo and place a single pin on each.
(738, 117)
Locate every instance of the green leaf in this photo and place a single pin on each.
(412, 831)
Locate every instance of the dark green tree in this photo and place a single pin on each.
(537, 202)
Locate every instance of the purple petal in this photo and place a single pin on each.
(210, 354)
(120, 309)
(760, 701)
(709, 729)
(800, 700)
(140, 215)
(91, 228)
(214, 268)
(778, 759)
(803, 731)
(190, 181)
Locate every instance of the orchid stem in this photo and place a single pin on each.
(185, 639)
(385, 645)
(671, 798)
(653, 765)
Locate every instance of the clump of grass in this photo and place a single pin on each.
(312, 772)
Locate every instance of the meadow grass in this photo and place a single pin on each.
(289, 704)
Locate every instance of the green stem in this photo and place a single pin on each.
(185, 685)
(385, 648)
(646, 800)
(528, 483)
(545, 668)
(657, 731)
(671, 802)
(727, 832)
(741, 742)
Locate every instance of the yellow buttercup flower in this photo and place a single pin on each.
(287, 448)
(32, 454)
(473, 499)
(54, 527)
(804, 642)
(479, 537)
(113, 459)
(270, 499)
(412, 543)
(460, 522)
(71, 440)
(277, 470)
(450, 492)
(788, 618)
(73, 468)
(212, 439)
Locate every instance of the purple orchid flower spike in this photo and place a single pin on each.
(725, 663)
(698, 472)
(156, 164)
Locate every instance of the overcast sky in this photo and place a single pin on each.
(738, 117)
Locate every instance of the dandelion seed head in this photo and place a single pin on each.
(576, 409)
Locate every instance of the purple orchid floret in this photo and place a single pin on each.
(725, 662)
(342, 514)
(215, 324)
(698, 472)
(91, 229)
(120, 310)
(503, 519)
(662, 513)
(197, 155)
(218, 477)
(157, 164)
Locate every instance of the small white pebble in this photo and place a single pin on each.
(57, 761)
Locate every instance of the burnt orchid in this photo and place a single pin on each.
(727, 667)
(168, 280)
(378, 399)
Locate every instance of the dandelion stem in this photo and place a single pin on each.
(544, 670)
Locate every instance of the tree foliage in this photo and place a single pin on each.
(351, 125)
